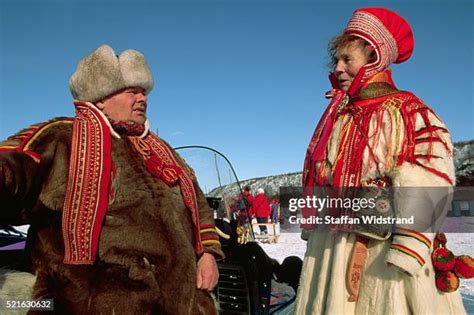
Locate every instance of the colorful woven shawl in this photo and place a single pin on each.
(377, 97)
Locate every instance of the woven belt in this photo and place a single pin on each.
(356, 267)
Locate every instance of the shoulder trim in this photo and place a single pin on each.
(27, 136)
(42, 128)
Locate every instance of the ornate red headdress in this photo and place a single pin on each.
(387, 32)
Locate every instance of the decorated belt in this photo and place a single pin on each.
(356, 267)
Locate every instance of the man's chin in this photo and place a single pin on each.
(138, 121)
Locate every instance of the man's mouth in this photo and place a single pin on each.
(140, 110)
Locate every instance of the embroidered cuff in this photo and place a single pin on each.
(210, 241)
(409, 250)
(208, 234)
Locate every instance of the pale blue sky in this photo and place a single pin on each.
(245, 77)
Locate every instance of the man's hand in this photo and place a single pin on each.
(207, 272)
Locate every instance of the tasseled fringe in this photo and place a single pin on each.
(428, 134)
(401, 147)
(401, 113)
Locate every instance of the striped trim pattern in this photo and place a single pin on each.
(26, 137)
(408, 252)
(209, 235)
(368, 27)
(207, 243)
(86, 198)
(26, 143)
(31, 154)
(414, 235)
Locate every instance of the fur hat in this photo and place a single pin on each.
(103, 72)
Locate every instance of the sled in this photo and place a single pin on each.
(271, 236)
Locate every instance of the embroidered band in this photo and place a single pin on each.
(86, 197)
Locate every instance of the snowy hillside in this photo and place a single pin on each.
(271, 184)
(464, 162)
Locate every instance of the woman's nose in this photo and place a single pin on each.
(339, 67)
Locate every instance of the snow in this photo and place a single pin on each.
(462, 244)
(291, 244)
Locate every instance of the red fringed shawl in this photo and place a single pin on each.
(376, 97)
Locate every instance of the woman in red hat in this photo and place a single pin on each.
(373, 134)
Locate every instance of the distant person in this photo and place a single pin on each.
(243, 205)
(374, 135)
(247, 195)
(261, 209)
(275, 207)
(242, 212)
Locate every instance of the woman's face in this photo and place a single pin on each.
(348, 61)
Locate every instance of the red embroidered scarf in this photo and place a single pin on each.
(86, 197)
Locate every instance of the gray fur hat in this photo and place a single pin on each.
(103, 72)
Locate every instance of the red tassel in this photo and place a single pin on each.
(464, 267)
(443, 259)
(447, 281)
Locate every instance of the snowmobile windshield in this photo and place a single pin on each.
(215, 176)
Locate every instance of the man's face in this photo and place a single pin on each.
(349, 60)
(128, 105)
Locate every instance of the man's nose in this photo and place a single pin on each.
(141, 97)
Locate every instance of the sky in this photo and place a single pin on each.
(244, 77)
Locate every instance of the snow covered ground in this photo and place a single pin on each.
(291, 244)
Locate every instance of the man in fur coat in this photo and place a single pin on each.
(118, 224)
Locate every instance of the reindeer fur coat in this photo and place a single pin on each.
(145, 262)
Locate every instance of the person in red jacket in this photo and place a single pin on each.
(261, 209)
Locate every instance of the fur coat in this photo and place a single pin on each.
(145, 262)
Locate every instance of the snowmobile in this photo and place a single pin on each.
(248, 273)
(12, 244)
